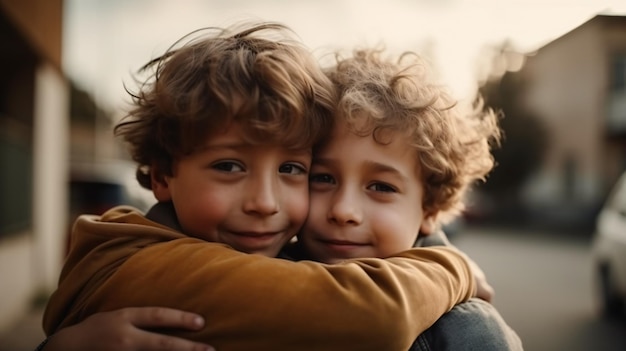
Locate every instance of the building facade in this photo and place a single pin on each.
(34, 121)
(576, 84)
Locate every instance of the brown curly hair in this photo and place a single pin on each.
(255, 74)
(453, 144)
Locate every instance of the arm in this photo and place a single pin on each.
(125, 330)
(307, 304)
(483, 289)
(276, 304)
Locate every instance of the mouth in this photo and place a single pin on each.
(253, 241)
(342, 245)
(255, 234)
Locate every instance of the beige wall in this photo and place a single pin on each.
(568, 89)
(30, 263)
(16, 272)
(50, 174)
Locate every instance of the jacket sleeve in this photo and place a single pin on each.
(251, 302)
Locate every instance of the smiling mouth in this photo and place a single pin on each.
(255, 234)
(343, 243)
(252, 241)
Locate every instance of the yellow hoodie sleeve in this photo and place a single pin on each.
(252, 302)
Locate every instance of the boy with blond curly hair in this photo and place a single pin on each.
(397, 165)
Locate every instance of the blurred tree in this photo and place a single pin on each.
(525, 138)
(91, 127)
(83, 108)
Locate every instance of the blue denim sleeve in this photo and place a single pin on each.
(472, 325)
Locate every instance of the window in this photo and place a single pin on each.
(618, 81)
(15, 178)
(616, 104)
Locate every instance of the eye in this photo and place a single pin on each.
(322, 178)
(382, 187)
(292, 169)
(227, 166)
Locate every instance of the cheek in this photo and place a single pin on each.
(396, 230)
(319, 205)
(296, 204)
(200, 212)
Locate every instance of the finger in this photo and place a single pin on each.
(486, 292)
(147, 341)
(154, 317)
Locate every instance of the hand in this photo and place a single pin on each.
(483, 289)
(124, 330)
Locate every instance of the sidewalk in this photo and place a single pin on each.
(25, 334)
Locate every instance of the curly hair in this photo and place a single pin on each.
(255, 74)
(453, 144)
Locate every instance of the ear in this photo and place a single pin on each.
(429, 224)
(159, 185)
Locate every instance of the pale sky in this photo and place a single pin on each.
(105, 41)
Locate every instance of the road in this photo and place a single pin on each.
(544, 289)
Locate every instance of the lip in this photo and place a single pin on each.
(252, 241)
(342, 245)
(254, 234)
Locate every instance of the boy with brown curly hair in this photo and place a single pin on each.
(223, 135)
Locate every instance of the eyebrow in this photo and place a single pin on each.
(374, 167)
(378, 167)
(239, 144)
(234, 145)
(225, 145)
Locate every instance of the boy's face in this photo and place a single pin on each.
(366, 198)
(251, 197)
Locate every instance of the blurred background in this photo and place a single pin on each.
(555, 69)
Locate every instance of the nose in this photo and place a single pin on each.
(262, 196)
(346, 208)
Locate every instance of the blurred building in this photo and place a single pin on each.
(57, 154)
(576, 84)
(34, 100)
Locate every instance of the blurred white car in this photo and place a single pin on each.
(609, 252)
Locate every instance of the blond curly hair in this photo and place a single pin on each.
(453, 144)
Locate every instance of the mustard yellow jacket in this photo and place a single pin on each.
(252, 302)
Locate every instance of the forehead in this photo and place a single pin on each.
(365, 127)
(235, 135)
(360, 142)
